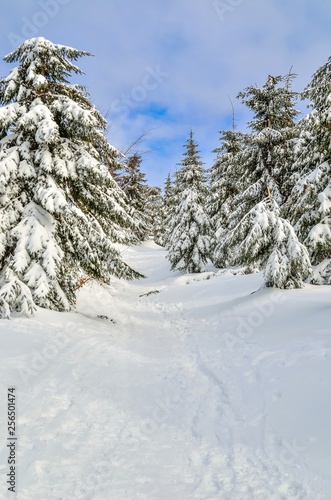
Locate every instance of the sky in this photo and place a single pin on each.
(163, 67)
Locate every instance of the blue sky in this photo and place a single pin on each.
(169, 66)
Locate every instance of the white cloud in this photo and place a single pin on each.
(208, 59)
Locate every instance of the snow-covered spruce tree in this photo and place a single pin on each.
(167, 211)
(309, 206)
(189, 234)
(263, 165)
(153, 210)
(265, 241)
(60, 209)
(224, 182)
(133, 183)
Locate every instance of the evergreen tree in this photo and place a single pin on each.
(188, 241)
(60, 209)
(167, 211)
(224, 182)
(309, 206)
(263, 165)
(265, 241)
(133, 183)
(153, 209)
(270, 152)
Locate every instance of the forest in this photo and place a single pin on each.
(69, 199)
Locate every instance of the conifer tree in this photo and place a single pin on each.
(265, 241)
(224, 182)
(60, 209)
(133, 183)
(167, 211)
(223, 174)
(169, 191)
(264, 163)
(189, 235)
(270, 151)
(309, 206)
(153, 210)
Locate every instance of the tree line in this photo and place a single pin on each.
(68, 198)
(264, 205)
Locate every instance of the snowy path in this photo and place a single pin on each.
(204, 390)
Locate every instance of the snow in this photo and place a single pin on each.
(209, 387)
(40, 119)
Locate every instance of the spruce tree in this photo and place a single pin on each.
(309, 206)
(224, 183)
(264, 163)
(270, 152)
(153, 210)
(167, 211)
(189, 234)
(265, 241)
(60, 209)
(133, 183)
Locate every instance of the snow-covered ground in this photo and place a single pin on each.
(211, 388)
